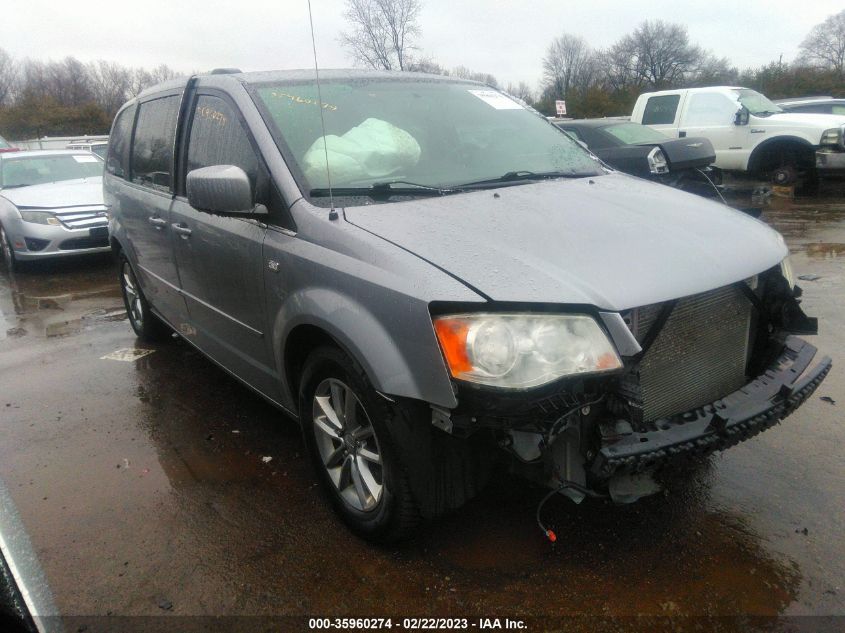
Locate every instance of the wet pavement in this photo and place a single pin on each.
(144, 488)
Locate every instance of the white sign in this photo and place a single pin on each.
(86, 159)
(496, 99)
(560, 107)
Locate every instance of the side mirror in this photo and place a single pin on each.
(741, 117)
(221, 189)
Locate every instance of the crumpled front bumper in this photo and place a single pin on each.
(762, 403)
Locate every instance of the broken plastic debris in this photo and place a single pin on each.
(809, 277)
(266, 459)
(827, 399)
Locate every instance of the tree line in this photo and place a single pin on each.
(656, 55)
(67, 97)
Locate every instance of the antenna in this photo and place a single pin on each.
(332, 213)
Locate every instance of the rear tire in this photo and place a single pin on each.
(352, 449)
(147, 326)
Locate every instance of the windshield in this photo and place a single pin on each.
(37, 170)
(100, 150)
(756, 103)
(432, 133)
(3, 143)
(632, 133)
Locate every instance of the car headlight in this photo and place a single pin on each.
(657, 163)
(786, 271)
(833, 136)
(519, 351)
(40, 217)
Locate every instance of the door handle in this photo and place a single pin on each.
(681, 134)
(182, 230)
(157, 222)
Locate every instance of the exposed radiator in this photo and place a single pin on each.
(699, 356)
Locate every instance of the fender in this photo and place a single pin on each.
(362, 335)
(761, 148)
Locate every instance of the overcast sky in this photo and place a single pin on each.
(501, 37)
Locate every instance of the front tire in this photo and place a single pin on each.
(351, 448)
(8, 252)
(147, 326)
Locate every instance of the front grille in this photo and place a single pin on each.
(699, 356)
(76, 243)
(83, 217)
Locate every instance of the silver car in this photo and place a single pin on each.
(430, 277)
(51, 205)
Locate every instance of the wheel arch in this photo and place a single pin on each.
(756, 160)
(320, 316)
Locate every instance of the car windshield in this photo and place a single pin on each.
(100, 150)
(432, 133)
(37, 170)
(756, 103)
(631, 133)
(3, 143)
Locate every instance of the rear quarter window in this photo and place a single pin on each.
(661, 110)
(118, 155)
(152, 146)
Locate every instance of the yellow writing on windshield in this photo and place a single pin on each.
(302, 100)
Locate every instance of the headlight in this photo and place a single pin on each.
(833, 136)
(519, 351)
(786, 271)
(657, 163)
(40, 217)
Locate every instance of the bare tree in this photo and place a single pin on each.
(8, 76)
(110, 84)
(564, 62)
(521, 91)
(382, 32)
(463, 72)
(657, 55)
(824, 46)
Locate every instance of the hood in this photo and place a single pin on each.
(614, 242)
(55, 195)
(807, 120)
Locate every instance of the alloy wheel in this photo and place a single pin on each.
(348, 446)
(132, 294)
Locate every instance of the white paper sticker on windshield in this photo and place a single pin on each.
(496, 99)
(85, 159)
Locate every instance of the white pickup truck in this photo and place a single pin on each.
(749, 132)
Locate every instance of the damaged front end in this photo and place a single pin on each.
(698, 374)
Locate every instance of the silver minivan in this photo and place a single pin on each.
(432, 278)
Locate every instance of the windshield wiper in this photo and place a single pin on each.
(23, 184)
(516, 177)
(384, 190)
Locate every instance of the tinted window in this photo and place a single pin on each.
(217, 138)
(119, 148)
(152, 148)
(661, 110)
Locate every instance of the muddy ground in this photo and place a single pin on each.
(144, 488)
